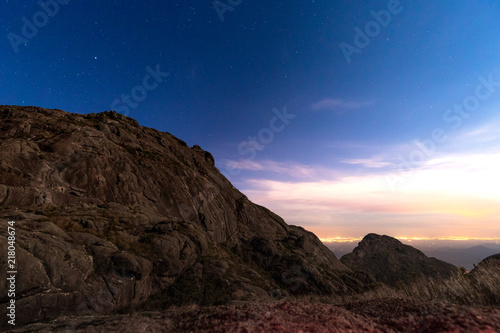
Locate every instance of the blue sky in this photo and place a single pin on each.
(357, 152)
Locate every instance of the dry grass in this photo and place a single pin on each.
(482, 288)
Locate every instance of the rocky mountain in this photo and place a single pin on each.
(389, 261)
(112, 216)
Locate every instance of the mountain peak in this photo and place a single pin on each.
(388, 260)
(111, 214)
(380, 238)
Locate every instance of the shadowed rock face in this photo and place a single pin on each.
(389, 261)
(110, 214)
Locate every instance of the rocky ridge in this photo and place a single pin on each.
(387, 260)
(112, 216)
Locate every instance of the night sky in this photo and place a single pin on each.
(344, 117)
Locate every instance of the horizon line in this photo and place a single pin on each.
(442, 238)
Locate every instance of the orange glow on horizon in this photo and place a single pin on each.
(454, 194)
(448, 238)
(340, 239)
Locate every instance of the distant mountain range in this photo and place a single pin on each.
(467, 257)
(459, 255)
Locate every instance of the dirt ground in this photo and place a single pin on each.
(381, 315)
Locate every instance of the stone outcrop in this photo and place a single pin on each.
(387, 260)
(112, 216)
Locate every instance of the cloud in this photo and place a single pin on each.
(480, 140)
(447, 198)
(245, 165)
(454, 191)
(451, 195)
(293, 170)
(339, 104)
(486, 134)
(368, 163)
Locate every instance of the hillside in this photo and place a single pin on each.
(491, 263)
(374, 316)
(110, 214)
(389, 261)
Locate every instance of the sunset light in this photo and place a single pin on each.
(258, 166)
(357, 239)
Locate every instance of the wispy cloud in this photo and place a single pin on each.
(335, 104)
(452, 193)
(448, 197)
(246, 165)
(487, 133)
(480, 140)
(368, 162)
(294, 170)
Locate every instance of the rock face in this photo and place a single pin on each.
(110, 215)
(389, 261)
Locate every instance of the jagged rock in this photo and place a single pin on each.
(387, 260)
(111, 215)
